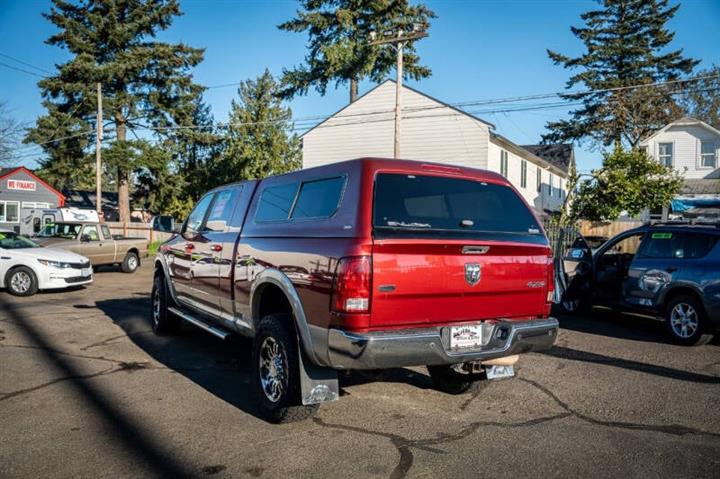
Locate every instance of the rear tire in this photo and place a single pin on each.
(21, 281)
(163, 321)
(130, 263)
(686, 322)
(276, 371)
(447, 379)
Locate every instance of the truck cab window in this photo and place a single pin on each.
(197, 215)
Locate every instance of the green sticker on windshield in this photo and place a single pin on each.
(662, 236)
(2, 236)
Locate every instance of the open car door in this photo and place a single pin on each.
(573, 271)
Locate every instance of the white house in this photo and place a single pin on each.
(692, 148)
(435, 131)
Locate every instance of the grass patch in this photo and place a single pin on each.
(153, 247)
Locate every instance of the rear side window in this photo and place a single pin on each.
(276, 203)
(432, 203)
(697, 245)
(319, 199)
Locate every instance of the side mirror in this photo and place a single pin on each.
(165, 224)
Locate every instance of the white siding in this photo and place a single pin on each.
(539, 200)
(686, 149)
(429, 131)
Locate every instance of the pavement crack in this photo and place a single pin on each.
(21, 392)
(404, 445)
(62, 353)
(672, 429)
(109, 340)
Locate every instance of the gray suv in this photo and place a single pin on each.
(667, 270)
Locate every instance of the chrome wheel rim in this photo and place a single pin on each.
(132, 262)
(684, 320)
(273, 369)
(20, 282)
(156, 306)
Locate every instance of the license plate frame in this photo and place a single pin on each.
(466, 337)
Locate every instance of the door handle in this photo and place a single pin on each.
(216, 247)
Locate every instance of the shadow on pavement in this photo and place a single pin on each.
(615, 325)
(220, 367)
(130, 435)
(663, 371)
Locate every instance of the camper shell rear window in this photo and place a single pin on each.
(424, 205)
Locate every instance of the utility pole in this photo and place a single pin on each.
(398, 39)
(98, 151)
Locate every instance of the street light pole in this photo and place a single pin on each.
(398, 40)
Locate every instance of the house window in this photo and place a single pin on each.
(551, 185)
(665, 154)
(9, 211)
(503, 163)
(538, 181)
(707, 154)
(523, 174)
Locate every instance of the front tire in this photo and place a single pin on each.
(448, 379)
(130, 263)
(21, 281)
(686, 322)
(276, 371)
(163, 322)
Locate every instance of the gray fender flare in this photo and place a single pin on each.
(278, 278)
(160, 263)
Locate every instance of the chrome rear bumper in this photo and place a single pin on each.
(430, 346)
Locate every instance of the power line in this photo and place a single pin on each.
(25, 63)
(21, 70)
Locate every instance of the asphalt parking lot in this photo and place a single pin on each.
(87, 390)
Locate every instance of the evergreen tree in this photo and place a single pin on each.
(259, 140)
(338, 49)
(145, 82)
(702, 100)
(626, 44)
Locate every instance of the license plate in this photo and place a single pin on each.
(499, 372)
(86, 272)
(462, 337)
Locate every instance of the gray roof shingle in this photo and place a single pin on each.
(560, 155)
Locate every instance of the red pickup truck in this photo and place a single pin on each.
(362, 264)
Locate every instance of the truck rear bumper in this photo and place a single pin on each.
(430, 346)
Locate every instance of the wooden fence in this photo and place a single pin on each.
(607, 229)
(137, 230)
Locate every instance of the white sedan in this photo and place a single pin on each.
(26, 267)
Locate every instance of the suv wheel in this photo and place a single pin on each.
(130, 263)
(451, 378)
(685, 321)
(21, 281)
(276, 371)
(163, 322)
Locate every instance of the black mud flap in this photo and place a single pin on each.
(317, 384)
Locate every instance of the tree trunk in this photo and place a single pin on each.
(353, 90)
(123, 183)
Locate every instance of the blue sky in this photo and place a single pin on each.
(477, 50)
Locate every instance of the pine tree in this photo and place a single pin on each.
(145, 82)
(338, 49)
(702, 100)
(626, 44)
(259, 140)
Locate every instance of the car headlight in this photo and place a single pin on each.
(54, 264)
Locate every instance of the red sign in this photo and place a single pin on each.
(21, 185)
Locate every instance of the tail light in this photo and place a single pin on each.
(550, 278)
(352, 285)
